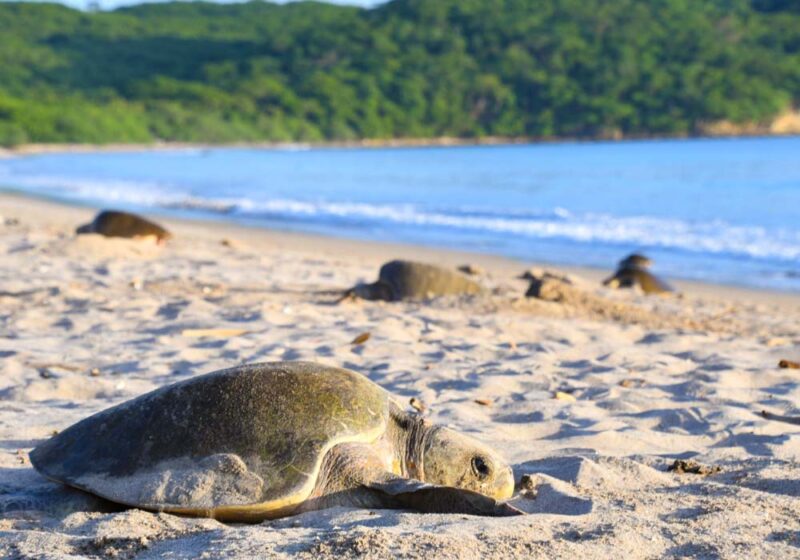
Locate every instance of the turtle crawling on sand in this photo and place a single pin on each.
(632, 271)
(399, 280)
(112, 223)
(269, 440)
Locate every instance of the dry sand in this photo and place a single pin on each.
(89, 322)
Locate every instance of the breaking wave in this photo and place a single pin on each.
(717, 237)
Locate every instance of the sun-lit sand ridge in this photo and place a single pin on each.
(595, 395)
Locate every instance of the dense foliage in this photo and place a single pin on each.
(409, 68)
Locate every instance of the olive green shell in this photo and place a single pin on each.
(413, 280)
(111, 223)
(279, 418)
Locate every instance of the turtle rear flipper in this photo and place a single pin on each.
(403, 493)
(612, 282)
(652, 284)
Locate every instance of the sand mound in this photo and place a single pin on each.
(96, 247)
(71, 388)
(576, 298)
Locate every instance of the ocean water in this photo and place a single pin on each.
(725, 211)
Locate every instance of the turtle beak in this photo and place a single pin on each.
(503, 487)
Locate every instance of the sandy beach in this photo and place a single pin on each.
(596, 395)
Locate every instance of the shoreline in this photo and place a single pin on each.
(398, 143)
(72, 213)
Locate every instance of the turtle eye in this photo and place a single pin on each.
(480, 468)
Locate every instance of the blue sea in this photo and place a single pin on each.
(726, 211)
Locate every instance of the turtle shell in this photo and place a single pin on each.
(112, 223)
(414, 280)
(237, 443)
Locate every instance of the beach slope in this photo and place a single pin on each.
(596, 397)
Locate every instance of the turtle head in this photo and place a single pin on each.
(453, 459)
(373, 292)
(635, 260)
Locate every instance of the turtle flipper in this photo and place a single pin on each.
(658, 286)
(402, 493)
(788, 419)
(344, 294)
(611, 281)
(375, 291)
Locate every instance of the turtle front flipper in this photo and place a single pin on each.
(376, 291)
(403, 493)
(359, 475)
(777, 417)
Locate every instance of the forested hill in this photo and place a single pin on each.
(409, 68)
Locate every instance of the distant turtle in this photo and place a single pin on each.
(112, 223)
(471, 269)
(264, 441)
(399, 280)
(632, 271)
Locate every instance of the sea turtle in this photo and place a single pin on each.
(112, 223)
(399, 280)
(268, 440)
(632, 271)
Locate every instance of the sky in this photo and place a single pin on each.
(109, 4)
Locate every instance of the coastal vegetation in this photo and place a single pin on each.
(308, 71)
